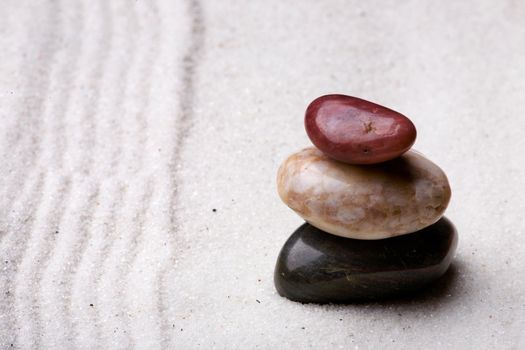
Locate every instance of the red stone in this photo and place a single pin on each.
(357, 131)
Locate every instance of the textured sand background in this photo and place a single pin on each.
(125, 123)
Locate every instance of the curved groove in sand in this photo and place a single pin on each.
(86, 295)
(185, 116)
(80, 127)
(19, 207)
(146, 65)
(55, 192)
(22, 144)
(88, 138)
(104, 265)
(55, 282)
(47, 227)
(10, 255)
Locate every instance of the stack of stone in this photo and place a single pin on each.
(374, 207)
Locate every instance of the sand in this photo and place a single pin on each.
(139, 143)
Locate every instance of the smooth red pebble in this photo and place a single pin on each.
(357, 131)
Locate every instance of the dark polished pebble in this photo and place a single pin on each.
(356, 131)
(317, 267)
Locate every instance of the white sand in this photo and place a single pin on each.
(124, 123)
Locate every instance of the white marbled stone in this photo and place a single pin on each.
(364, 202)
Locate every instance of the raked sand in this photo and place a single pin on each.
(139, 144)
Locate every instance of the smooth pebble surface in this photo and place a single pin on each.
(356, 131)
(173, 108)
(365, 202)
(317, 267)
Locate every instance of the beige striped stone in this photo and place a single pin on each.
(364, 202)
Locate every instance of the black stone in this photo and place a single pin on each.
(318, 267)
